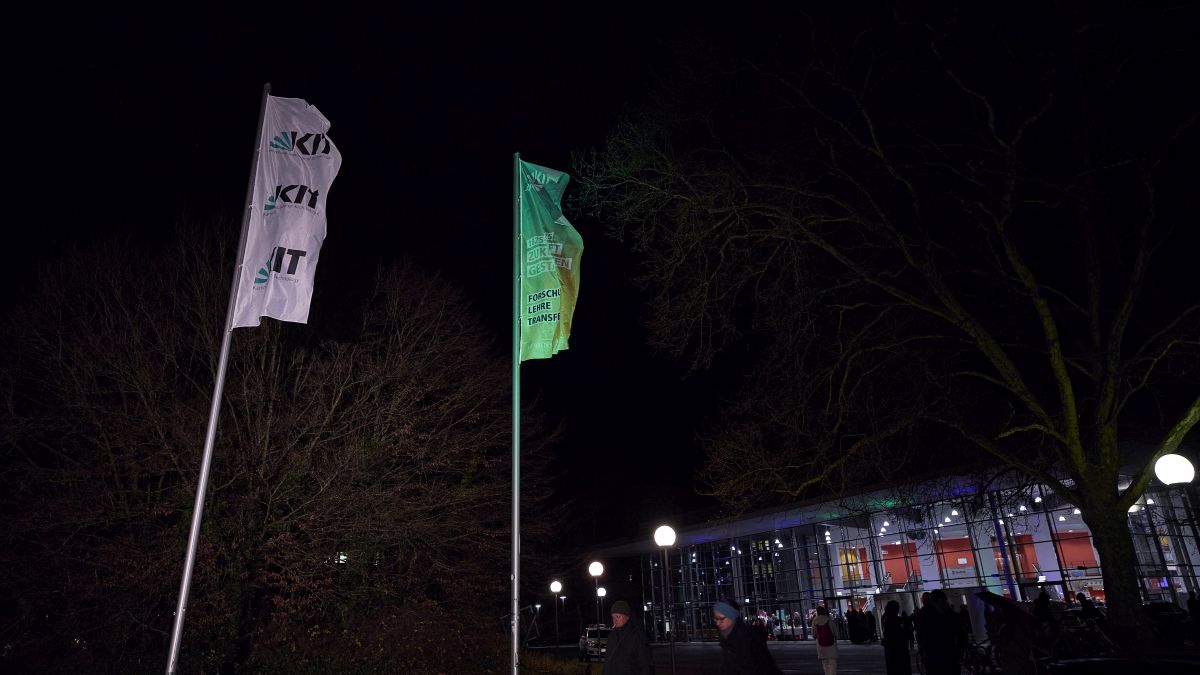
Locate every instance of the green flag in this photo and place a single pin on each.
(550, 250)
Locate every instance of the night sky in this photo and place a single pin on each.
(127, 125)
(124, 126)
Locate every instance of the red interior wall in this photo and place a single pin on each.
(893, 560)
(1075, 548)
(953, 549)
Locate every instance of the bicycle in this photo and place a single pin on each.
(1087, 638)
(979, 658)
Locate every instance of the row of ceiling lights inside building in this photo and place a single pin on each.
(1170, 469)
(947, 519)
(887, 524)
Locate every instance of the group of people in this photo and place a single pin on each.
(940, 636)
(743, 645)
(861, 626)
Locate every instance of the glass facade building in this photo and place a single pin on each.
(865, 551)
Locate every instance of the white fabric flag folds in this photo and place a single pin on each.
(297, 163)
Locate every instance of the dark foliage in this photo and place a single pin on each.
(359, 492)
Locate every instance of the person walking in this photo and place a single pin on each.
(895, 641)
(941, 636)
(628, 652)
(827, 649)
(743, 649)
(910, 633)
(916, 616)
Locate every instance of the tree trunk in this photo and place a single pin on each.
(249, 625)
(1118, 563)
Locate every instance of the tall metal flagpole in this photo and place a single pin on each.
(215, 409)
(516, 413)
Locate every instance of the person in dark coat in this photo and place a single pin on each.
(941, 636)
(965, 618)
(743, 651)
(916, 615)
(760, 629)
(857, 625)
(1043, 613)
(628, 652)
(909, 632)
(1087, 608)
(895, 641)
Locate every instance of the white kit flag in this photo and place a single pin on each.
(297, 163)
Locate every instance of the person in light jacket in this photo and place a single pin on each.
(826, 636)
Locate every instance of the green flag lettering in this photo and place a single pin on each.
(550, 252)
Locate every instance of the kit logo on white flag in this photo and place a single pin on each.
(297, 162)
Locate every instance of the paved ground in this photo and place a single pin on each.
(791, 657)
(702, 658)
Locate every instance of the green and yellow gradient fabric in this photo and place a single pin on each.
(550, 250)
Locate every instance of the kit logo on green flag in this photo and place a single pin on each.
(550, 252)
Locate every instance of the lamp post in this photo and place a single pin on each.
(1173, 469)
(555, 587)
(596, 569)
(600, 593)
(664, 536)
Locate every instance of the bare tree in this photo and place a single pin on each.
(970, 222)
(352, 478)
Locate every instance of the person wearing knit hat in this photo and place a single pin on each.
(743, 650)
(627, 652)
(726, 610)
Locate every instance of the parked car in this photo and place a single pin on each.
(593, 643)
(1171, 622)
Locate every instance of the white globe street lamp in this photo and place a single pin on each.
(1172, 469)
(596, 569)
(664, 537)
(555, 587)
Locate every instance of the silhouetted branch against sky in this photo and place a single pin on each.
(995, 196)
